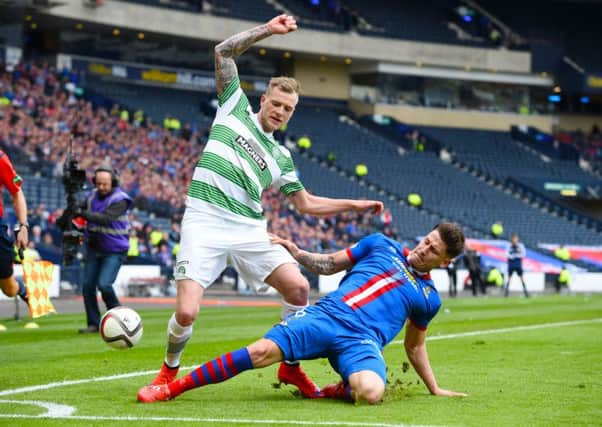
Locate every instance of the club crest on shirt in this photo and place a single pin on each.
(405, 272)
(277, 153)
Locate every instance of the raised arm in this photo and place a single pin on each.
(231, 48)
(316, 263)
(308, 203)
(415, 345)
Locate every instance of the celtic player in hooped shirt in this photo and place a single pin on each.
(223, 222)
(386, 285)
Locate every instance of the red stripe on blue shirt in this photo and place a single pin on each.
(372, 289)
(369, 283)
(371, 297)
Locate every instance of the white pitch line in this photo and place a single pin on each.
(511, 329)
(227, 421)
(82, 381)
(54, 410)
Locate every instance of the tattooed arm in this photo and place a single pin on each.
(316, 263)
(233, 47)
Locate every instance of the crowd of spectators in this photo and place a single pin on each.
(323, 234)
(589, 144)
(40, 115)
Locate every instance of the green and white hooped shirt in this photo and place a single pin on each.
(240, 160)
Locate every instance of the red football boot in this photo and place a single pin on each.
(293, 374)
(337, 391)
(165, 375)
(154, 393)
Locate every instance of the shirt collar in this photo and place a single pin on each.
(258, 124)
(425, 276)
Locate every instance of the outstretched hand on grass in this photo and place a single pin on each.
(449, 393)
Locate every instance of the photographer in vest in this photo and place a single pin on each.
(106, 241)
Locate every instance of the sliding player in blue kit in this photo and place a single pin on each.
(386, 286)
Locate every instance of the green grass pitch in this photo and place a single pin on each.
(543, 368)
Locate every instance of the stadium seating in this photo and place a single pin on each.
(411, 20)
(397, 132)
(498, 155)
(44, 191)
(249, 10)
(156, 102)
(548, 145)
(579, 21)
(319, 16)
(193, 6)
(446, 190)
(408, 20)
(333, 182)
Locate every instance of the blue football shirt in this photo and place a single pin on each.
(382, 291)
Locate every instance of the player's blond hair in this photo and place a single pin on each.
(285, 84)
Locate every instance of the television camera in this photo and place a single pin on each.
(74, 180)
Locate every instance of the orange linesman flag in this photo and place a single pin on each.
(37, 276)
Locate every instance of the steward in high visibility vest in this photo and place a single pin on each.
(415, 199)
(304, 143)
(134, 249)
(562, 253)
(563, 279)
(495, 278)
(331, 158)
(361, 170)
(497, 229)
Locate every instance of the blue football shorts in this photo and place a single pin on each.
(7, 253)
(517, 270)
(311, 334)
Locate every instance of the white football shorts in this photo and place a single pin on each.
(208, 244)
